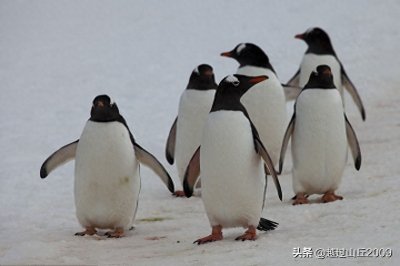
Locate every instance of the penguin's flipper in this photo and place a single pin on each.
(192, 173)
(353, 92)
(353, 143)
(288, 134)
(170, 147)
(150, 161)
(292, 88)
(59, 157)
(268, 164)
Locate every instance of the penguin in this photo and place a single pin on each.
(194, 106)
(320, 134)
(265, 102)
(230, 159)
(320, 52)
(107, 179)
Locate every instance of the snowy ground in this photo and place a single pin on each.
(55, 56)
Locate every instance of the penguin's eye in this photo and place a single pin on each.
(236, 83)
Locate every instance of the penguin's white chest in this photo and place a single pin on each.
(194, 107)
(310, 63)
(232, 173)
(319, 142)
(266, 105)
(107, 180)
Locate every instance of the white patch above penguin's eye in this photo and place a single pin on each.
(309, 30)
(196, 70)
(233, 80)
(240, 48)
(111, 101)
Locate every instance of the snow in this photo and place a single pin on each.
(56, 56)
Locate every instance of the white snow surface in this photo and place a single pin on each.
(56, 56)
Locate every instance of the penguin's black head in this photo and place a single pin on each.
(238, 84)
(231, 89)
(322, 78)
(202, 78)
(104, 109)
(248, 54)
(317, 40)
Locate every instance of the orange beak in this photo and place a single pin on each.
(226, 54)
(258, 79)
(299, 36)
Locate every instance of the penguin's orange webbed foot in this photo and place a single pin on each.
(207, 239)
(117, 233)
(300, 199)
(216, 235)
(250, 234)
(330, 196)
(89, 231)
(179, 194)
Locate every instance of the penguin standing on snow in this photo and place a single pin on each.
(194, 106)
(320, 52)
(230, 160)
(265, 102)
(320, 135)
(107, 180)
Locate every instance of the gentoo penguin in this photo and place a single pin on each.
(320, 52)
(194, 106)
(320, 134)
(265, 102)
(107, 180)
(230, 159)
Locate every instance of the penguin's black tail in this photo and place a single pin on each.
(266, 225)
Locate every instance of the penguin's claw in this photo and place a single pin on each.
(216, 235)
(117, 233)
(301, 201)
(250, 234)
(89, 231)
(330, 196)
(179, 194)
(208, 239)
(300, 198)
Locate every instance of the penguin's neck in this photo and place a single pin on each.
(253, 71)
(228, 103)
(322, 83)
(202, 86)
(321, 48)
(259, 60)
